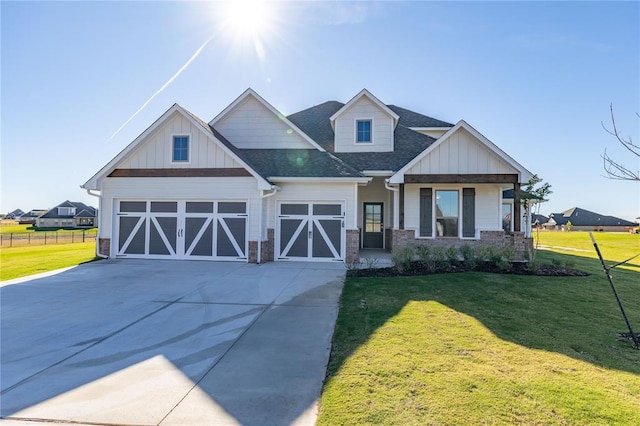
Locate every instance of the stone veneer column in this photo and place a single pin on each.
(104, 246)
(353, 246)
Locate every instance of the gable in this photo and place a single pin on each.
(251, 125)
(156, 152)
(363, 108)
(461, 153)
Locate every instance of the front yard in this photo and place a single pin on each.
(474, 348)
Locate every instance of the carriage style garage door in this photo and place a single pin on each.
(210, 230)
(310, 231)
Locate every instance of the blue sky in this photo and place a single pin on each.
(536, 78)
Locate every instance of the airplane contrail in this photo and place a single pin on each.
(164, 86)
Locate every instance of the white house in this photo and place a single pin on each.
(319, 185)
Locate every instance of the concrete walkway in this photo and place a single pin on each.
(140, 342)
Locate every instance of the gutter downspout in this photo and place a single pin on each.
(99, 196)
(396, 209)
(274, 189)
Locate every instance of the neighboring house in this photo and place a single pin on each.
(585, 220)
(14, 215)
(30, 217)
(538, 220)
(69, 214)
(319, 185)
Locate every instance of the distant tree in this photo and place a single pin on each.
(534, 192)
(569, 226)
(615, 168)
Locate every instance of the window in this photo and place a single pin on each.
(507, 217)
(447, 213)
(363, 131)
(181, 148)
(66, 211)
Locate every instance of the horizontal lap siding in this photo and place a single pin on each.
(382, 128)
(179, 189)
(308, 192)
(461, 153)
(251, 125)
(488, 209)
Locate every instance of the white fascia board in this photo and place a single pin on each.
(365, 92)
(286, 179)
(378, 173)
(523, 173)
(93, 183)
(275, 112)
(426, 129)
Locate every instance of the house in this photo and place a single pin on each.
(530, 219)
(29, 218)
(69, 214)
(14, 215)
(322, 184)
(585, 220)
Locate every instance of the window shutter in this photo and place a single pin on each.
(426, 213)
(468, 212)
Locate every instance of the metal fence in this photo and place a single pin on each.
(17, 239)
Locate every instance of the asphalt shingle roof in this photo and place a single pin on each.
(80, 207)
(297, 163)
(315, 122)
(410, 118)
(582, 217)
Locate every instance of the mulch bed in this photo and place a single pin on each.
(420, 268)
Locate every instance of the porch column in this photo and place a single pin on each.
(401, 196)
(516, 207)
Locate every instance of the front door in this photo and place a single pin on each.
(373, 225)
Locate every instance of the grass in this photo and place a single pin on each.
(475, 348)
(18, 262)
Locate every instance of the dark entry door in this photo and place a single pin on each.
(373, 226)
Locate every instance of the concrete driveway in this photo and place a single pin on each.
(140, 342)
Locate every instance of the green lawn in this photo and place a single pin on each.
(28, 260)
(8, 229)
(477, 348)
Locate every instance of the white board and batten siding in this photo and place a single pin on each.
(157, 151)
(461, 153)
(251, 125)
(488, 205)
(382, 128)
(184, 188)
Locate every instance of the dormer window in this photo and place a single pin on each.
(363, 131)
(181, 149)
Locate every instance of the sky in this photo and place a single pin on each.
(536, 78)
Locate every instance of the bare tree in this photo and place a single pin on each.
(614, 168)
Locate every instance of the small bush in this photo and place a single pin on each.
(402, 258)
(423, 252)
(556, 261)
(570, 263)
(439, 256)
(452, 253)
(371, 262)
(468, 256)
(509, 253)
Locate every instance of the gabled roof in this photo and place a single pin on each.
(524, 174)
(361, 94)
(204, 127)
(315, 122)
(87, 211)
(582, 217)
(250, 92)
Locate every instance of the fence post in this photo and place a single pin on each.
(11, 239)
(56, 237)
(83, 231)
(29, 238)
(45, 238)
(72, 234)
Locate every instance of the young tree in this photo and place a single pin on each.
(533, 194)
(615, 168)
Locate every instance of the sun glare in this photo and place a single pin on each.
(248, 17)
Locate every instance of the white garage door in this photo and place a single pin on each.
(211, 230)
(311, 231)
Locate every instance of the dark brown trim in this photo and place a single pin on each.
(401, 209)
(462, 178)
(516, 207)
(229, 172)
